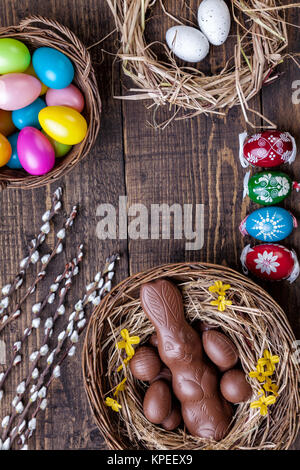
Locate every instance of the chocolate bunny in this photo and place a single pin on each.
(195, 383)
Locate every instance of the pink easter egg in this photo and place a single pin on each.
(18, 90)
(70, 96)
(35, 152)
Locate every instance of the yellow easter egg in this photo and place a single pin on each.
(5, 150)
(66, 125)
(31, 71)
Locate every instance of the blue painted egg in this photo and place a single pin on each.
(14, 162)
(53, 67)
(28, 116)
(269, 224)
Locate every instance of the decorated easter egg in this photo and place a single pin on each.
(267, 149)
(70, 96)
(35, 152)
(52, 67)
(5, 150)
(270, 261)
(268, 187)
(63, 124)
(214, 20)
(28, 116)
(14, 56)
(187, 43)
(31, 71)
(14, 162)
(269, 224)
(18, 90)
(7, 126)
(60, 149)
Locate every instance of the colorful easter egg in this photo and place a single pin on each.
(60, 149)
(269, 224)
(63, 124)
(14, 162)
(267, 149)
(31, 71)
(5, 150)
(70, 96)
(268, 187)
(28, 116)
(18, 90)
(52, 67)
(14, 56)
(35, 152)
(271, 262)
(7, 126)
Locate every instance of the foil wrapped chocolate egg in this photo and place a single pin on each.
(234, 386)
(157, 403)
(145, 364)
(220, 349)
(267, 149)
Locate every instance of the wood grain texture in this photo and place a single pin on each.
(191, 162)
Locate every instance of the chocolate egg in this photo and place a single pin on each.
(173, 420)
(164, 374)
(220, 349)
(145, 364)
(157, 402)
(234, 386)
(202, 326)
(154, 340)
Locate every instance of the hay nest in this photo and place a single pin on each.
(254, 322)
(260, 40)
(37, 31)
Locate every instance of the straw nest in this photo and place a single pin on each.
(52, 34)
(254, 322)
(256, 46)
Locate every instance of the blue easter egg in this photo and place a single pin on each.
(14, 162)
(270, 224)
(52, 67)
(28, 116)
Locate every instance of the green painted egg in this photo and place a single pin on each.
(268, 187)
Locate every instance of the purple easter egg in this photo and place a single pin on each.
(35, 152)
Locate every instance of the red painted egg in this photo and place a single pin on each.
(271, 262)
(267, 149)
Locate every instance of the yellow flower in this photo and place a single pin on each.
(125, 361)
(221, 303)
(127, 342)
(260, 374)
(115, 406)
(120, 387)
(268, 361)
(263, 403)
(270, 386)
(219, 287)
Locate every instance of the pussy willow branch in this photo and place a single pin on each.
(44, 349)
(9, 289)
(100, 285)
(7, 319)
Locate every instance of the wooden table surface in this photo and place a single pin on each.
(190, 162)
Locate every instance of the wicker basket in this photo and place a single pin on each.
(254, 322)
(51, 33)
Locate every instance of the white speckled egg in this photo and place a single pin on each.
(214, 20)
(187, 43)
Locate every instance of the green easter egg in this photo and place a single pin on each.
(60, 149)
(269, 187)
(14, 56)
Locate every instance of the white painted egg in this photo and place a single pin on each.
(187, 43)
(214, 20)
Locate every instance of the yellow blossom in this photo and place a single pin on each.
(268, 361)
(221, 303)
(219, 288)
(270, 386)
(263, 402)
(260, 374)
(127, 342)
(120, 387)
(125, 361)
(115, 406)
